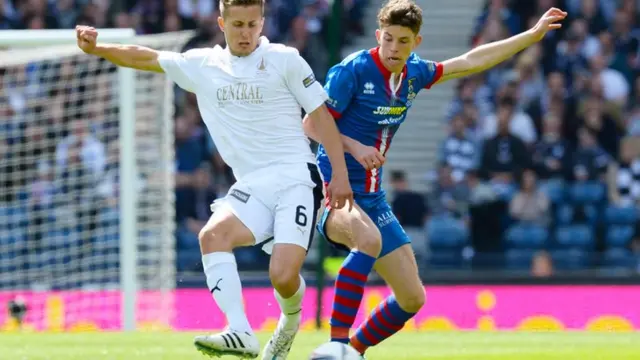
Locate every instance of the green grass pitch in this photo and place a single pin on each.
(410, 345)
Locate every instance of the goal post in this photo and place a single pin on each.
(130, 158)
(38, 38)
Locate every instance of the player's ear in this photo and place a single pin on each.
(378, 34)
(221, 23)
(418, 41)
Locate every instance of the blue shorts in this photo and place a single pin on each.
(376, 207)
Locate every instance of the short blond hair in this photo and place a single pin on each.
(229, 3)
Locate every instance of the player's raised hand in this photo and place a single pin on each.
(368, 156)
(87, 38)
(339, 192)
(549, 21)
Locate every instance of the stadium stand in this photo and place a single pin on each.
(548, 142)
(201, 172)
(542, 162)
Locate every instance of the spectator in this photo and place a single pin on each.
(529, 205)
(473, 99)
(590, 161)
(617, 59)
(308, 36)
(41, 195)
(604, 126)
(542, 265)
(623, 176)
(448, 198)
(632, 119)
(38, 11)
(589, 45)
(590, 11)
(551, 155)
(8, 16)
(485, 210)
(80, 145)
(8, 177)
(520, 124)
(408, 206)
(497, 11)
(109, 186)
(569, 59)
(555, 91)
(530, 76)
(459, 151)
(192, 12)
(66, 13)
(614, 84)
(191, 175)
(411, 210)
(149, 15)
(479, 191)
(505, 155)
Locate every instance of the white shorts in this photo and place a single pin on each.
(278, 204)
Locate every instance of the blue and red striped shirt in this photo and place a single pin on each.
(369, 107)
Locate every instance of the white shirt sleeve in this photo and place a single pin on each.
(182, 68)
(303, 85)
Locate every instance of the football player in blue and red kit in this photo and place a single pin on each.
(370, 93)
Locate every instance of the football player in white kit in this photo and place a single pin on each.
(250, 96)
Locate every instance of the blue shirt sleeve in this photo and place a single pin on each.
(431, 72)
(340, 86)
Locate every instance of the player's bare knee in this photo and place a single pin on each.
(285, 279)
(214, 238)
(413, 301)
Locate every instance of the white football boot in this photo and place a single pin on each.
(280, 343)
(233, 343)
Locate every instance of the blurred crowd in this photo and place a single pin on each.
(540, 170)
(541, 167)
(298, 23)
(59, 134)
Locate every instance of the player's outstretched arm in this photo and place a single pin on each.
(489, 55)
(131, 56)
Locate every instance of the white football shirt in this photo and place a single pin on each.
(251, 105)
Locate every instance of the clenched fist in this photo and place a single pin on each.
(87, 38)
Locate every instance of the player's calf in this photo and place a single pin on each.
(289, 289)
(284, 268)
(222, 233)
(356, 231)
(412, 300)
(400, 271)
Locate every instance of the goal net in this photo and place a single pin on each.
(60, 203)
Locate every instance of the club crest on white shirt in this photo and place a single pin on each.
(262, 69)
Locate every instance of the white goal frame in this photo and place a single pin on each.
(36, 40)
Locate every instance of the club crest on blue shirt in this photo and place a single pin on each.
(411, 94)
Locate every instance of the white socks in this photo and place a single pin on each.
(292, 305)
(223, 281)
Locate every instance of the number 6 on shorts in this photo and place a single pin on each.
(300, 204)
(301, 217)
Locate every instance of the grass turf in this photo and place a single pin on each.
(410, 345)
